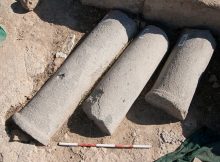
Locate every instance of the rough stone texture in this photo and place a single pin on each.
(29, 4)
(211, 3)
(57, 100)
(130, 5)
(175, 13)
(114, 95)
(181, 13)
(177, 82)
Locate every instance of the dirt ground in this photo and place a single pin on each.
(28, 59)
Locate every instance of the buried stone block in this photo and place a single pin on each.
(177, 82)
(59, 97)
(119, 88)
(174, 13)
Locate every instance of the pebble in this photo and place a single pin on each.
(58, 62)
(69, 44)
(66, 137)
(133, 134)
(170, 137)
(61, 55)
(166, 137)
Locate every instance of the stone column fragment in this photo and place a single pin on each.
(177, 82)
(60, 96)
(119, 88)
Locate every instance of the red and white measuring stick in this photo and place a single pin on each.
(104, 145)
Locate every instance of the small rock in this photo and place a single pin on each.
(61, 55)
(58, 62)
(29, 4)
(166, 137)
(66, 137)
(216, 85)
(170, 137)
(213, 78)
(133, 134)
(69, 44)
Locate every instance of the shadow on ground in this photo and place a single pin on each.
(80, 124)
(17, 135)
(69, 13)
(17, 8)
(145, 114)
(206, 102)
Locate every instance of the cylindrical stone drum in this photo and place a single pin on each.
(177, 82)
(114, 95)
(60, 96)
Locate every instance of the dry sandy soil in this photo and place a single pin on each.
(27, 60)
